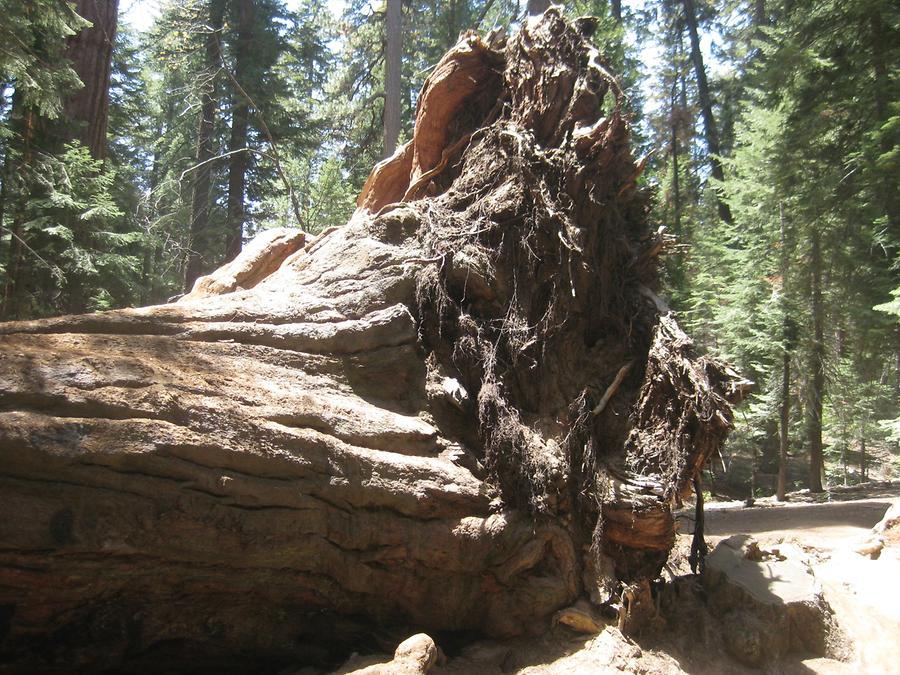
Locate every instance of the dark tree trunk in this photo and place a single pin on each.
(200, 200)
(787, 348)
(817, 369)
(25, 120)
(536, 7)
(239, 160)
(616, 6)
(5, 176)
(392, 72)
(676, 187)
(87, 110)
(452, 23)
(12, 290)
(863, 459)
(710, 130)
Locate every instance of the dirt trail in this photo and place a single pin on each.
(822, 526)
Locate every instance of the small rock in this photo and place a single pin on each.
(414, 656)
(580, 617)
(870, 547)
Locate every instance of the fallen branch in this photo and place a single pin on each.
(613, 388)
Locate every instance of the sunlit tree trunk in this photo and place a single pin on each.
(87, 109)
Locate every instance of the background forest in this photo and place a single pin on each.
(133, 162)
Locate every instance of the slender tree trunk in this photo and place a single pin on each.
(863, 459)
(155, 285)
(152, 248)
(676, 187)
(817, 368)
(393, 37)
(787, 347)
(452, 23)
(91, 54)
(239, 160)
(12, 290)
(689, 187)
(4, 185)
(4, 176)
(200, 200)
(844, 461)
(709, 122)
(616, 6)
(783, 442)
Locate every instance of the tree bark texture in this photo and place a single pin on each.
(392, 73)
(200, 205)
(91, 54)
(711, 132)
(459, 411)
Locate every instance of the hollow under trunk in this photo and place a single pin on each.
(457, 412)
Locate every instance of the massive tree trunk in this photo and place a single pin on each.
(91, 54)
(199, 242)
(459, 411)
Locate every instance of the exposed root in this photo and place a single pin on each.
(544, 289)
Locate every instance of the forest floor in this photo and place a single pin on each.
(863, 594)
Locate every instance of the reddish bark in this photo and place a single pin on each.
(91, 54)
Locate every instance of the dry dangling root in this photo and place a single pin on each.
(540, 296)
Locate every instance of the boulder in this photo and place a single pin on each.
(769, 602)
(414, 656)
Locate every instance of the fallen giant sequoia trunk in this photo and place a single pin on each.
(457, 412)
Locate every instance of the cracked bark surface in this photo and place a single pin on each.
(393, 426)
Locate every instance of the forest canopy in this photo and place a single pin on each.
(133, 162)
